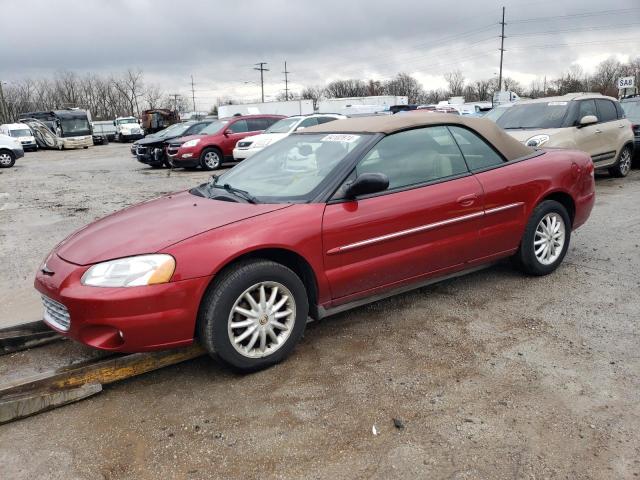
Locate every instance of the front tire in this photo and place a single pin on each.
(210, 159)
(253, 316)
(545, 240)
(7, 159)
(623, 165)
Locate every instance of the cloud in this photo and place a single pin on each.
(219, 42)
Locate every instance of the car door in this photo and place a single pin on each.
(426, 222)
(610, 138)
(506, 191)
(588, 138)
(234, 132)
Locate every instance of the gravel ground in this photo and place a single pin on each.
(489, 376)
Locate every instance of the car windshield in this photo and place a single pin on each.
(632, 110)
(291, 169)
(174, 130)
(75, 126)
(495, 113)
(214, 127)
(283, 126)
(126, 120)
(20, 133)
(534, 115)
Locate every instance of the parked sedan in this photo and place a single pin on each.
(324, 220)
(282, 128)
(152, 150)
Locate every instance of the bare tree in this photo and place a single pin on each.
(153, 96)
(346, 88)
(455, 80)
(607, 72)
(404, 85)
(375, 88)
(312, 93)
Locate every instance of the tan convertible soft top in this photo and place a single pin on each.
(501, 140)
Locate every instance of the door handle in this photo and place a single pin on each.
(467, 200)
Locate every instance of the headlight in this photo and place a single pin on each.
(191, 143)
(131, 271)
(537, 141)
(262, 143)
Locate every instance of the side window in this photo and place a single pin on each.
(606, 110)
(322, 120)
(270, 121)
(196, 128)
(619, 110)
(415, 156)
(587, 107)
(239, 127)
(256, 124)
(478, 154)
(308, 122)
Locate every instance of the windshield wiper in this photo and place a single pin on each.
(235, 191)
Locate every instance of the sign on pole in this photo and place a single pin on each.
(626, 82)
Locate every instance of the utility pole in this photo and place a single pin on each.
(286, 81)
(193, 95)
(261, 69)
(4, 115)
(175, 100)
(501, 51)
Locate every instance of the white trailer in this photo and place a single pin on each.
(291, 107)
(372, 104)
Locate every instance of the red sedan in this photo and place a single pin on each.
(324, 220)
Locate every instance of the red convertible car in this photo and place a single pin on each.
(324, 220)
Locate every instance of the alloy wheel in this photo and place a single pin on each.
(261, 319)
(549, 238)
(212, 160)
(625, 162)
(5, 159)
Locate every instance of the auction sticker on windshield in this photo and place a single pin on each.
(340, 137)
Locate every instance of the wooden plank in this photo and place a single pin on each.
(44, 391)
(26, 335)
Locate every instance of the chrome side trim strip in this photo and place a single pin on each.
(422, 228)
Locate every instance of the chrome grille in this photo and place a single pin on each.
(142, 151)
(56, 314)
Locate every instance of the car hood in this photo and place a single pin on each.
(181, 140)
(264, 139)
(151, 140)
(151, 226)
(524, 135)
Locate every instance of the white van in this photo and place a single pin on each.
(20, 132)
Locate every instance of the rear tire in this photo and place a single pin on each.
(247, 326)
(545, 240)
(211, 159)
(623, 165)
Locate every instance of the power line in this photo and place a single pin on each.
(577, 15)
(262, 70)
(578, 29)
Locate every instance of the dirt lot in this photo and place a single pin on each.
(493, 375)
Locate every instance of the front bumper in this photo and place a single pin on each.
(150, 155)
(244, 153)
(29, 146)
(132, 319)
(18, 152)
(77, 142)
(182, 157)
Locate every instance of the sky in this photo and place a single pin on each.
(219, 43)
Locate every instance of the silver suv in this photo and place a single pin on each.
(589, 122)
(10, 150)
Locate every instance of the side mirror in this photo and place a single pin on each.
(588, 120)
(367, 183)
(227, 132)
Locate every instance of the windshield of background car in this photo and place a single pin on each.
(20, 133)
(283, 126)
(127, 120)
(632, 110)
(495, 113)
(75, 126)
(534, 115)
(214, 127)
(291, 169)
